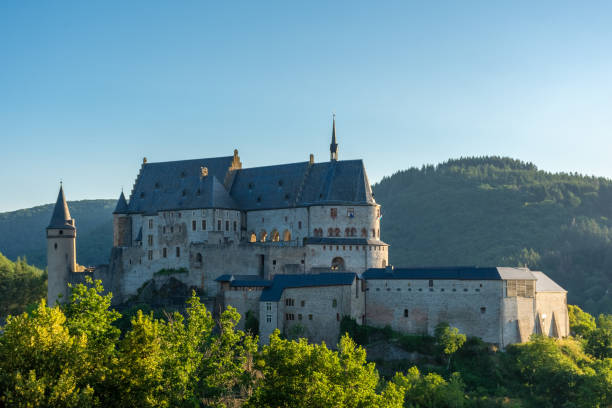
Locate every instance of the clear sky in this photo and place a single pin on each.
(88, 88)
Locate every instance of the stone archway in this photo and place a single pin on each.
(337, 264)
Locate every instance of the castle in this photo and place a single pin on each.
(299, 246)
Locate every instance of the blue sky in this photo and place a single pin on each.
(88, 88)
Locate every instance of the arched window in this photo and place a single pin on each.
(263, 235)
(252, 237)
(330, 232)
(286, 236)
(199, 257)
(373, 233)
(364, 233)
(337, 232)
(347, 232)
(337, 264)
(353, 232)
(275, 236)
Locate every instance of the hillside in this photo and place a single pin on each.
(22, 232)
(499, 211)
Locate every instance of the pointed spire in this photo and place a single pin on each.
(61, 215)
(122, 205)
(333, 147)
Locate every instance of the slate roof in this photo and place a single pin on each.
(343, 241)
(174, 185)
(179, 185)
(244, 280)
(122, 206)
(274, 292)
(545, 284)
(459, 273)
(515, 273)
(61, 215)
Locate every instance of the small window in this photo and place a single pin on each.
(465, 290)
(150, 224)
(309, 317)
(299, 224)
(299, 316)
(268, 306)
(150, 255)
(142, 195)
(280, 183)
(150, 240)
(203, 225)
(227, 225)
(178, 252)
(302, 303)
(268, 318)
(338, 316)
(274, 262)
(483, 310)
(61, 232)
(333, 212)
(193, 225)
(431, 283)
(55, 245)
(164, 253)
(350, 212)
(235, 226)
(218, 225)
(334, 303)
(179, 215)
(405, 312)
(171, 230)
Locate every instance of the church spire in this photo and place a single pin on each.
(333, 147)
(61, 215)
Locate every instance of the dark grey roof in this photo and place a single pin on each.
(281, 282)
(459, 273)
(343, 241)
(180, 185)
(61, 215)
(122, 206)
(301, 184)
(244, 280)
(176, 185)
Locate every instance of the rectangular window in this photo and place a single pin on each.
(299, 224)
(289, 302)
(164, 253)
(289, 316)
(218, 225)
(299, 316)
(227, 225)
(350, 212)
(338, 316)
(333, 212)
(150, 255)
(268, 318)
(235, 226)
(193, 225)
(268, 306)
(309, 317)
(431, 283)
(334, 303)
(150, 224)
(164, 230)
(203, 225)
(150, 240)
(302, 303)
(178, 252)
(405, 312)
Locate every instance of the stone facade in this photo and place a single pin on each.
(300, 246)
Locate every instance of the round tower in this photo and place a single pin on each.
(61, 250)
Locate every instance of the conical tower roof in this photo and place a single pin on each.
(61, 215)
(122, 206)
(333, 147)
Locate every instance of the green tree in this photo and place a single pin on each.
(448, 340)
(431, 390)
(299, 374)
(599, 341)
(581, 323)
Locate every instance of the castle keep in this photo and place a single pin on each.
(299, 245)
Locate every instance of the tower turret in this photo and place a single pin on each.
(61, 250)
(333, 147)
(122, 224)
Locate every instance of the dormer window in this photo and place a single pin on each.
(182, 174)
(184, 193)
(259, 199)
(157, 185)
(280, 183)
(142, 195)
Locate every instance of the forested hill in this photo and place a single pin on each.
(500, 211)
(22, 232)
